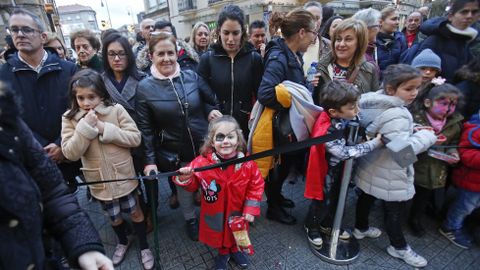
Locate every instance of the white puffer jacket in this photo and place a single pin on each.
(378, 174)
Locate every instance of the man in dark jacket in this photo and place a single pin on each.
(33, 197)
(450, 37)
(40, 79)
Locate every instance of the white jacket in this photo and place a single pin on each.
(378, 174)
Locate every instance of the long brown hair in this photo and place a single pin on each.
(87, 78)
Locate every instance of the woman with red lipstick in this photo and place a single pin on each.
(347, 60)
(232, 67)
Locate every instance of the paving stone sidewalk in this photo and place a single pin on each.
(280, 246)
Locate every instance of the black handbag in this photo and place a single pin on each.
(282, 129)
(167, 160)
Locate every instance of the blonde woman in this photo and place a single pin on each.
(200, 38)
(347, 60)
(54, 42)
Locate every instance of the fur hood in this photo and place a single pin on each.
(467, 74)
(143, 59)
(373, 104)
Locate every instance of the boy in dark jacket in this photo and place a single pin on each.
(340, 103)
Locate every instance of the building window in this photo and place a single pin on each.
(152, 4)
(184, 5)
(69, 18)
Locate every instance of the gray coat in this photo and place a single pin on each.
(377, 173)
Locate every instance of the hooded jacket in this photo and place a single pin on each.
(234, 81)
(378, 174)
(452, 47)
(467, 175)
(232, 191)
(432, 173)
(281, 64)
(104, 156)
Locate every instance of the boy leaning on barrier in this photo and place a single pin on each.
(340, 103)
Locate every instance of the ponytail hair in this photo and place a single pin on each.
(291, 23)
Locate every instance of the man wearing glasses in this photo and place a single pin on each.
(40, 79)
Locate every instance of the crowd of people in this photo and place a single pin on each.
(170, 104)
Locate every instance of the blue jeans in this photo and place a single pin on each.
(464, 204)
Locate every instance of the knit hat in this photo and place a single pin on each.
(427, 58)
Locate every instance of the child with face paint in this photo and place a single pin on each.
(435, 108)
(234, 190)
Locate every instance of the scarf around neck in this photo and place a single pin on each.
(157, 75)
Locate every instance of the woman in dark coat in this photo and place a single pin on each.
(390, 42)
(232, 67)
(467, 79)
(173, 108)
(283, 61)
(34, 198)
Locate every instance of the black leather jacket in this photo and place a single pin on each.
(173, 122)
(234, 82)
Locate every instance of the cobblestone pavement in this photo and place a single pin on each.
(280, 246)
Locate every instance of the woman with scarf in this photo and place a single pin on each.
(173, 107)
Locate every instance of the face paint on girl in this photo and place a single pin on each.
(443, 107)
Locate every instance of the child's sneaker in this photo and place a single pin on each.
(221, 261)
(314, 237)
(407, 255)
(147, 259)
(344, 234)
(240, 259)
(119, 253)
(372, 232)
(457, 237)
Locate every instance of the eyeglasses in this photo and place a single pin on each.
(312, 31)
(121, 54)
(24, 29)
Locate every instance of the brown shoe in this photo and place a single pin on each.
(173, 201)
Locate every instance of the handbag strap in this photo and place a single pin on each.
(353, 76)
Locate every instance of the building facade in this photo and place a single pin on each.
(45, 9)
(185, 13)
(77, 17)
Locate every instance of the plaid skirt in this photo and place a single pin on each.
(126, 204)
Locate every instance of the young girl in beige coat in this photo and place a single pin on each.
(101, 134)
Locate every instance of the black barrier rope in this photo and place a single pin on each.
(275, 151)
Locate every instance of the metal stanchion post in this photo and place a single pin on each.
(151, 183)
(335, 250)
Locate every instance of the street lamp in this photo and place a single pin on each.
(108, 11)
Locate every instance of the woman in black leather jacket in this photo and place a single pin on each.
(173, 107)
(232, 67)
(34, 199)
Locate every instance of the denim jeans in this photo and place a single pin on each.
(464, 204)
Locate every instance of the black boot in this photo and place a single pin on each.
(286, 203)
(192, 229)
(279, 214)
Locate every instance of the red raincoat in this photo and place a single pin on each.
(467, 176)
(317, 164)
(233, 191)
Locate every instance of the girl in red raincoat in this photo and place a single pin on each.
(234, 190)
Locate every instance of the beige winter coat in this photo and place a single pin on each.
(104, 156)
